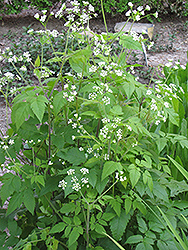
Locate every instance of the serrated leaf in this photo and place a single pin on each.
(67, 208)
(142, 225)
(134, 239)
(74, 235)
(128, 204)
(129, 88)
(117, 110)
(29, 200)
(161, 143)
(58, 102)
(118, 225)
(129, 43)
(15, 202)
(20, 112)
(160, 191)
(75, 156)
(38, 106)
(58, 228)
(110, 167)
(134, 173)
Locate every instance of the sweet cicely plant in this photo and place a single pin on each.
(82, 144)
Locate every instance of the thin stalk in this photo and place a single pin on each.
(104, 19)
(87, 226)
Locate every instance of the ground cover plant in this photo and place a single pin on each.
(89, 144)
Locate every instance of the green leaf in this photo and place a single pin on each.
(129, 43)
(58, 102)
(142, 225)
(20, 112)
(75, 157)
(134, 173)
(116, 206)
(160, 191)
(99, 229)
(37, 62)
(144, 246)
(38, 106)
(7, 189)
(15, 202)
(180, 168)
(74, 235)
(27, 246)
(118, 225)
(161, 143)
(67, 208)
(129, 88)
(128, 204)
(51, 185)
(110, 167)
(39, 179)
(134, 239)
(117, 110)
(58, 228)
(29, 200)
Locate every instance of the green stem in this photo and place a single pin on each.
(87, 225)
(104, 19)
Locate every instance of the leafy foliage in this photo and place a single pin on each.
(88, 148)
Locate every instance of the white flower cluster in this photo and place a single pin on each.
(5, 143)
(161, 97)
(120, 176)
(111, 127)
(75, 183)
(99, 93)
(69, 92)
(138, 13)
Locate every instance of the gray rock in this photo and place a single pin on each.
(147, 28)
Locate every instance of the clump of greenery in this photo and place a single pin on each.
(110, 6)
(87, 146)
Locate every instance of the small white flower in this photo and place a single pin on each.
(137, 17)
(43, 18)
(73, 137)
(117, 176)
(5, 147)
(36, 16)
(23, 68)
(62, 184)
(140, 8)
(128, 13)
(149, 92)
(123, 178)
(11, 142)
(84, 180)
(81, 149)
(166, 104)
(156, 14)
(50, 163)
(147, 7)
(84, 171)
(183, 67)
(129, 127)
(157, 122)
(71, 171)
(130, 4)
(91, 8)
(76, 186)
(169, 64)
(89, 150)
